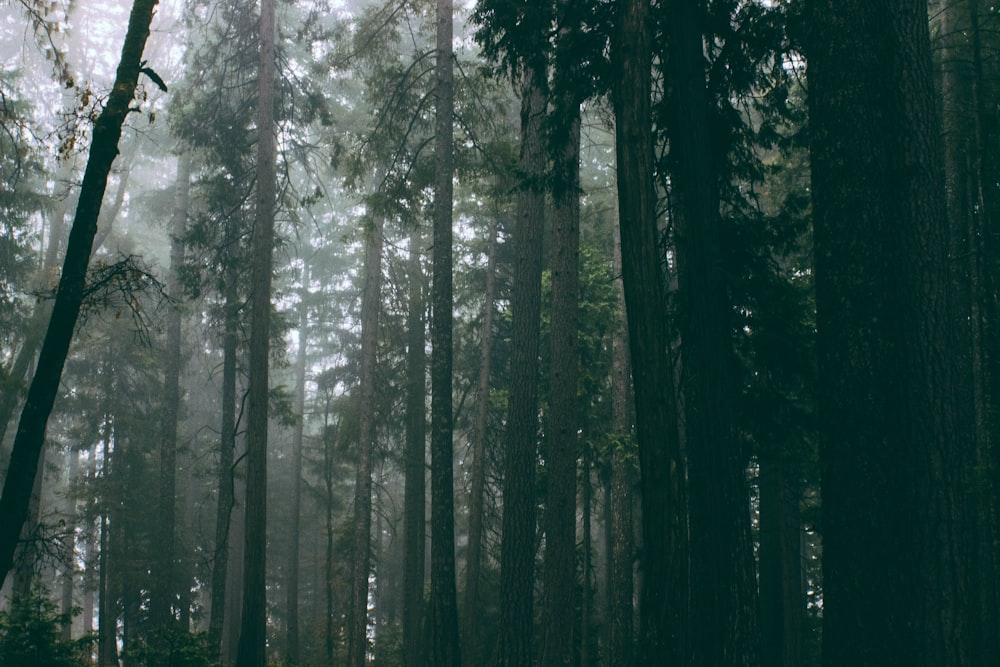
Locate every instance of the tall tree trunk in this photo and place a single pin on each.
(294, 539)
(477, 482)
(723, 597)
(357, 617)
(44, 385)
(442, 608)
(621, 584)
(253, 626)
(664, 529)
(227, 448)
(517, 551)
(415, 483)
(896, 413)
(329, 441)
(164, 596)
(562, 443)
(69, 574)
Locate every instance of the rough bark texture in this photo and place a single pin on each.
(357, 618)
(663, 595)
(252, 651)
(165, 595)
(44, 385)
(415, 482)
(895, 403)
(723, 598)
(442, 607)
(517, 552)
(562, 444)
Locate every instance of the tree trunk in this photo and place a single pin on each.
(292, 582)
(357, 617)
(253, 626)
(477, 476)
(415, 483)
(442, 607)
(562, 443)
(45, 384)
(664, 529)
(621, 584)
(517, 552)
(896, 413)
(723, 596)
(164, 596)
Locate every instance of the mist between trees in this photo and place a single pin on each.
(400, 332)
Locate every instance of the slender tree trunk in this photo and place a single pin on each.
(621, 584)
(292, 583)
(723, 598)
(45, 384)
(896, 412)
(253, 626)
(107, 616)
(227, 448)
(414, 500)
(329, 441)
(559, 519)
(517, 552)
(69, 575)
(442, 608)
(664, 530)
(357, 618)
(477, 484)
(164, 596)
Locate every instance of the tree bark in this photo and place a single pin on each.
(723, 586)
(442, 608)
(415, 483)
(292, 584)
(45, 384)
(517, 552)
(895, 378)
(357, 618)
(253, 626)
(664, 530)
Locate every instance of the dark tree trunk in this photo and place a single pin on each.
(477, 482)
(723, 598)
(896, 413)
(44, 385)
(415, 483)
(664, 530)
(517, 553)
(442, 607)
(621, 582)
(357, 617)
(562, 443)
(252, 650)
(164, 597)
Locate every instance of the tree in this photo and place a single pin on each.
(895, 403)
(253, 626)
(663, 595)
(30, 435)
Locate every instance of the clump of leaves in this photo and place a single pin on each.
(172, 647)
(30, 635)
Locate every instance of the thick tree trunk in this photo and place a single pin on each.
(415, 483)
(442, 607)
(164, 597)
(895, 377)
(664, 529)
(357, 617)
(723, 598)
(253, 626)
(517, 553)
(562, 443)
(45, 384)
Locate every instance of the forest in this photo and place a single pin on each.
(504, 333)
